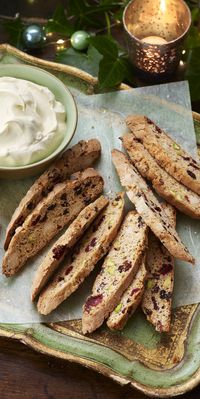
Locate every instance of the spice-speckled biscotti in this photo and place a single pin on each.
(61, 247)
(85, 255)
(164, 184)
(170, 155)
(157, 298)
(148, 206)
(129, 301)
(79, 157)
(119, 268)
(54, 212)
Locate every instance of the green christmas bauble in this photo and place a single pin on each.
(33, 36)
(79, 40)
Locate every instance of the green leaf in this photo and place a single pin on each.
(90, 14)
(193, 72)
(88, 62)
(59, 22)
(193, 39)
(111, 73)
(15, 29)
(105, 45)
(195, 13)
(128, 70)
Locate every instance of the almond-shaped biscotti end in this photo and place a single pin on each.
(44, 308)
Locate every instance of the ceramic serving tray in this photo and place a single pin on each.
(158, 365)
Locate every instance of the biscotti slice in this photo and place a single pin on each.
(119, 268)
(80, 156)
(157, 298)
(148, 206)
(87, 252)
(170, 155)
(164, 184)
(129, 301)
(58, 209)
(61, 247)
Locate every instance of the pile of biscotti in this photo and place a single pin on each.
(138, 249)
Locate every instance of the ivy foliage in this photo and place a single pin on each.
(104, 57)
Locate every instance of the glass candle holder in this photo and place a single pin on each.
(155, 31)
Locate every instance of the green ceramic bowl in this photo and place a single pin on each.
(62, 94)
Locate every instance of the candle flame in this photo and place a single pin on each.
(163, 6)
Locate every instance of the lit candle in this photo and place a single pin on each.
(154, 40)
(155, 31)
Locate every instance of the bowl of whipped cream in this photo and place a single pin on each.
(38, 118)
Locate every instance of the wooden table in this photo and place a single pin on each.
(25, 374)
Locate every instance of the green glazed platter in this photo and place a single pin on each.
(159, 365)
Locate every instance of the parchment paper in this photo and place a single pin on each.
(102, 116)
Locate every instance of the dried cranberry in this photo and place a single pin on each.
(158, 129)
(191, 174)
(140, 222)
(91, 245)
(93, 301)
(149, 121)
(157, 208)
(58, 251)
(186, 158)
(36, 220)
(194, 166)
(30, 206)
(166, 268)
(68, 270)
(134, 291)
(165, 295)
(155, 305)
(51, 207)
(125, 266)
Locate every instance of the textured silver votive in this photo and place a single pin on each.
(155, 30)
